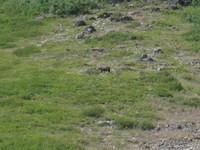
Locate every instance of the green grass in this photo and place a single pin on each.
(114, 37)
(191, 15)
(35, 142)
(51, 100)
(163, 23)
(27, 51)
(164, 84)
(34, 100)
(56, 7)
(193, 102)
(162, 92)
(128, 123)
(133, 25)
(16, 28)
(94, 111)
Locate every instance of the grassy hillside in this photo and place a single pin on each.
(61, 8)
(55, 93)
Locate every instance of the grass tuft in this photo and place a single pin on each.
(94, 111)
(128, 123)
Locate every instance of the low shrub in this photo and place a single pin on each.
(94, 111)
(128, 123)
(146, 125)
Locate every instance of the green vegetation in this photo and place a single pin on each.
(14, 28)
(36, 142)
(191, 15)
(56, 7)
(27, 51)
(127, 123)
(114, 37)
(193, 102)
(52, 91)
(94, 111)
